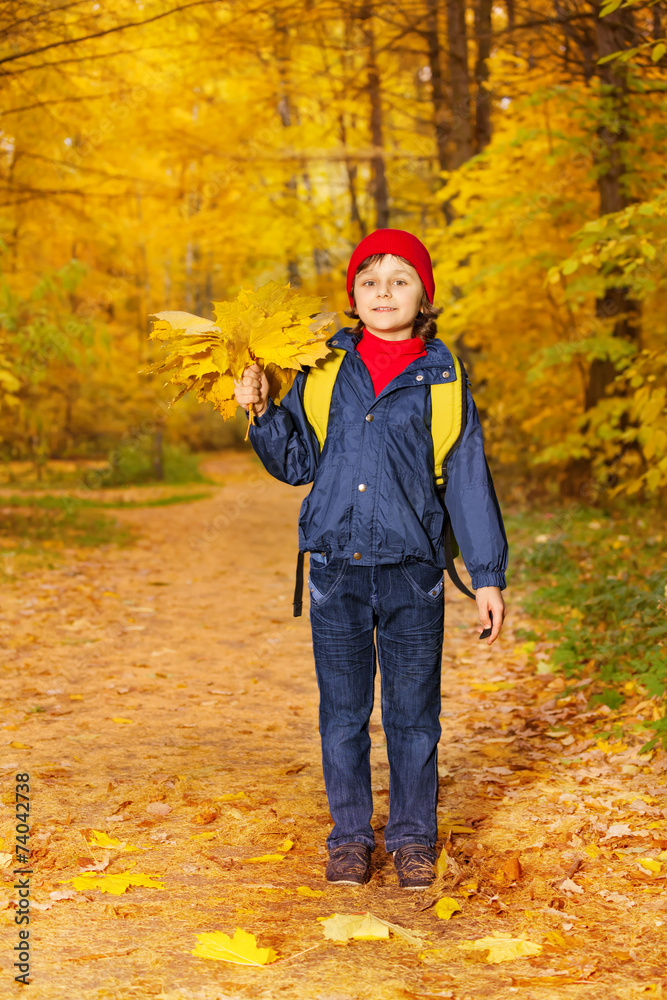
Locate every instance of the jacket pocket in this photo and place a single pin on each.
(425, 579)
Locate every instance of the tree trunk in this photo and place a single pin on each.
(615, 33)
(379, 188)
(285, 112)
(461, 133)
(440, 111)
(483, 95)
(351, 171)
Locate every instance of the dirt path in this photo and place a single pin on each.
(164, 695)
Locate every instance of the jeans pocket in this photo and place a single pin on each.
(425, 579)
(324, 576)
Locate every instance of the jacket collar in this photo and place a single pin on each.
(437, 355)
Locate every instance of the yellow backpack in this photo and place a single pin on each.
(448, 419)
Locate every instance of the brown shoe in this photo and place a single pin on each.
(415, 866)
(349, 864)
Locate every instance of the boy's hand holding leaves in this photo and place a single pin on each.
(275, 331)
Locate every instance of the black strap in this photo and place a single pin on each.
(449, 561)
(298, 586)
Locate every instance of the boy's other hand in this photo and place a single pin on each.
(253, 388)
(490, 599)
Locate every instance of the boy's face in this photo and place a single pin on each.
(388, 296)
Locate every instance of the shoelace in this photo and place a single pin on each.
(348, 851)
(419, 861)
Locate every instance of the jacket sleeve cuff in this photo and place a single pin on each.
(488, 580)
(266, 416)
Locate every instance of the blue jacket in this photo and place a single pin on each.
(374, 498)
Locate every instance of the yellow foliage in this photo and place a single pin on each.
(275, 326)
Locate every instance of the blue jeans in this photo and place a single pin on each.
(404, 603)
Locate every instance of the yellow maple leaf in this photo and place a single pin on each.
(446, 907)
(503, 948)
(242, 949)
(286, 845)
(303, 890)
(651, 865)
(100, 839)
(114, 884)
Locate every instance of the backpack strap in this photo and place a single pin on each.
(448, 418)
(298, 586)
(449, 413)
(318, 390)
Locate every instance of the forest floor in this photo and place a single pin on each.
(161, 693)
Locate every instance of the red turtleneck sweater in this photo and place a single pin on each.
(385, 359)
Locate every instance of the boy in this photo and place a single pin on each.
(373, 524)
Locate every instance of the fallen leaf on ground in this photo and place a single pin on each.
(650, 864)
(241, 949)
(20, 746)
(616, 897)
(99, 839)
(446, 907)
(286, 845)
(262, 859)
(121, 721)
(303, 890)
(618, 830)
(511, 870)
(567, 885)
(205, 816)
(364, 927)
(90, 865)
(502, 949)
(361, 926)
(441, 863)
(115, 884)
(158, 808)
(555, 977)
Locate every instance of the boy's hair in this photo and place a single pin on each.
(425, 325)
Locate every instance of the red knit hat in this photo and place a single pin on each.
(401, 244)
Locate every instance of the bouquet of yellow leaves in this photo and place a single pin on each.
(275, 326)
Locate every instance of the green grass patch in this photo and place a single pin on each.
(65, 528)
(595, 584)
(67, 503)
